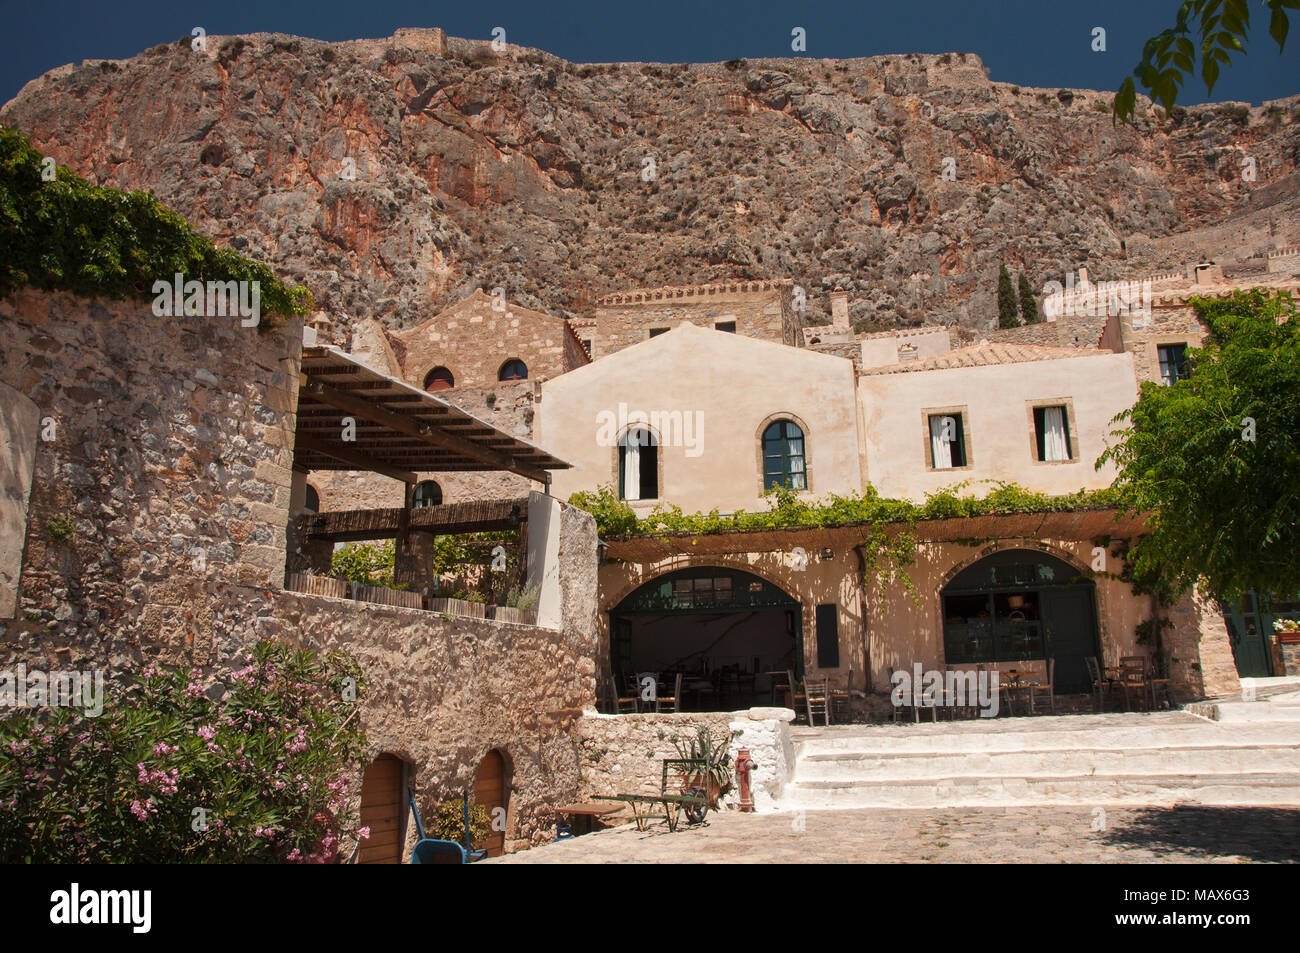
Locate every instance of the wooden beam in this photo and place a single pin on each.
(435, 437)
(358, 459)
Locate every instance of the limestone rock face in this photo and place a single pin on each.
(394, 176)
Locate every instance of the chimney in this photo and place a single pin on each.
(1083, 277)
(840, 310)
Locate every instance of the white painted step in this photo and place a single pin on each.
(1141, 759)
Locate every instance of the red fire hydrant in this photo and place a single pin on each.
(743, 764)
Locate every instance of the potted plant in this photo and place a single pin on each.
(714, 777)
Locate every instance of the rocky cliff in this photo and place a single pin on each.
(905, 179)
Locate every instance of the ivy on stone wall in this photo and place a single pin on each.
(60, 233)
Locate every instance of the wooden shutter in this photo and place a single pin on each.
(383, 809)
(828, 636)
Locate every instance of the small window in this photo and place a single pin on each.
(1052, 433)
(586, 345)
(427, 493)
(728, 326)
(1172, 369)
(655, 332)
(513, 370)
(947, 441)
(638, 465)
(440, 378)
(783, 456)
(312, 503)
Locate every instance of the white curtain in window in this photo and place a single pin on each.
(1054, 445)
(940, 448)
(632, 465)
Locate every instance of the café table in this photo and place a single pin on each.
(586, 812)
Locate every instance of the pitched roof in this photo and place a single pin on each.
(982, 354)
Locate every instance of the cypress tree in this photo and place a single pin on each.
(1028, 306)
(1008, 317)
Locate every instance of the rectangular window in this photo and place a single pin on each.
(1052, 433)
(586, 345)
(729, 326)
(947, 441)
(1171, 363)
(828, 636)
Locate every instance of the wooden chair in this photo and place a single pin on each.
(780, 688)
(622, 704)
(1161, 683)
(842, 701)
(1100, 684)
(672, 702)
(817, 699)
(1037, 688)
(1133, 679)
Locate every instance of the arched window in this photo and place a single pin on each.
(312, 504)
(427, 493)
(439, 379)
(638, 465)
(513, 370)
(783, 456)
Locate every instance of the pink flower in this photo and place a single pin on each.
(364, 833)
(207, 732)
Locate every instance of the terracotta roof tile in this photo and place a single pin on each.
(983, 354)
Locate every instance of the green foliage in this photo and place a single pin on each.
(1226, 507)
(449, 822)
(1169, 58)
(268, 763)
(521, 597)
(370, 564)
(69, 235)
(613, 516)
(888, 526)
(714, 752)
(1028, 306)
(1008, 316)
(60, 527)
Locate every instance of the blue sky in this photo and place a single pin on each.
(1029, 42)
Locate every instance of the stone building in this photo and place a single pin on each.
(155, 491)
(724, 418)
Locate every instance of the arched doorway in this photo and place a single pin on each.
(492, 791)
(1022, 605)
(383, 810)
(724, 629)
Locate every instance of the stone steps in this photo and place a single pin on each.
(1155, 759)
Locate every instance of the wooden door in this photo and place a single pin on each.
(1249, 633)
(1071, 635)
(490, 791)
(383, 810)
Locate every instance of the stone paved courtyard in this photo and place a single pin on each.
(1189, 834)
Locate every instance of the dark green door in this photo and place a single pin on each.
(1249, 629)
(1071, 635)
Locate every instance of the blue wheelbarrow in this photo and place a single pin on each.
(430, 850)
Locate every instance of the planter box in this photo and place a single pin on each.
(1288, 646)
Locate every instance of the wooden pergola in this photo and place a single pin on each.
(353, 417)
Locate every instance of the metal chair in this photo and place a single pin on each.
(817, 699)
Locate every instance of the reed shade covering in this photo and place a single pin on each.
(399, 430)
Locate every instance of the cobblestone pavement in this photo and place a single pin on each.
(1046, 835)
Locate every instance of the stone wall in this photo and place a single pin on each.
(1175, 323)
(1199, 649)
(473, 340)
(171, 455)
(176, 434)
(1068, 331)
(760, 309)
(624, 753)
